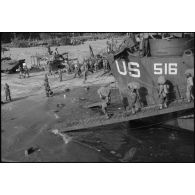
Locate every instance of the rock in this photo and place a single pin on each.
(60, 105)
(67, 90)
(172, 136)
(129, 155)
(112, 152)
(31, 150)
(118, 155)
(81, 98)
(55, 131)
(87, 88)
(56, 116)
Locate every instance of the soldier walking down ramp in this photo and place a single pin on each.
(133, 98)
(163, 91)
(104, 93)
(190, 85)
(7, 92)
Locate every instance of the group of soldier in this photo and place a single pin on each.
(133, 94)
(105, 92)
(91, 65)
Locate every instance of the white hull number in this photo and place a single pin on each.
(134, 71)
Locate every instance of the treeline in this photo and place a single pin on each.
(8, 37)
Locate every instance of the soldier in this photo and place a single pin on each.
(107, 66)
(96, 65)
(104, 64)
(129, 42)
(26, 71)
(56, 50)
(85, 66)
(190, 85)
(49, 50)
(163, 91)
(46, 78)
(47, 88)
(133, 98)
(20, 72)
(104, 93)
(60, 74)
(7, 92)
(108, 47)
(77, 69)
(90, 65)
(49, 63)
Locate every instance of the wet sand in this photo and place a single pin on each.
(26, 120)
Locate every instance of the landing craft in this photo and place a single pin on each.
(170, 58)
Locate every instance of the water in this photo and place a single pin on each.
(120, 143)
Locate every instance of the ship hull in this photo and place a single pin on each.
(127, 67)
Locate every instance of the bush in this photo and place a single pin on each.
(20, 43)
(65, 41)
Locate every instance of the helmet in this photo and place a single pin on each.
(189, 72)
(133, 85)
(161, 80)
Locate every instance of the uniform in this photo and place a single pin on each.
(77, 70)
(47, 88)
(104, 64)
(96, 66)
(104, 93)
(90, 65)
(109, 49)
(7, 92)
(21, 72)
(49, 50)
(46, 78)
(133, 100)
(190, 85)
(26, 72)
(60, 75)
(85, 71)
(163, 92)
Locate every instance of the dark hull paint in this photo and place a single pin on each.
(148, 80)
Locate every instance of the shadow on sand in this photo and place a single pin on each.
(14, 99)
